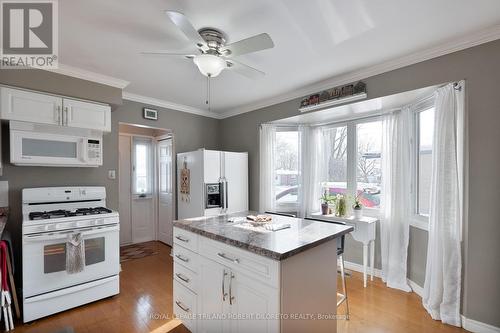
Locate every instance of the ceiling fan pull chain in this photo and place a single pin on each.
(208, 92)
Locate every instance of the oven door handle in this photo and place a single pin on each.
(64, 234)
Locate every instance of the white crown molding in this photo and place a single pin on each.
(169, 105)
(89, 76)
(479, 37)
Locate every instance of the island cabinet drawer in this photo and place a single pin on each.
(186, 258)
(259, 267)
(185, 306)
(186, 277)
(186, 239)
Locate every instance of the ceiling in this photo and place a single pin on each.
(366, 108)
(314, 40)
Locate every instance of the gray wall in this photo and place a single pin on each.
(190, 132)
(480, 66)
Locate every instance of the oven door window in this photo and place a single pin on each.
(55, 255)
(49, 148)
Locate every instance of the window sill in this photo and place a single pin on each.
(422, 225)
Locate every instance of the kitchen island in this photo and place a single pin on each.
(232, 277)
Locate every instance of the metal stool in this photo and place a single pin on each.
(340, 262)
(282, 214)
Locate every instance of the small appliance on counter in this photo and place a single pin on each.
(71, 253)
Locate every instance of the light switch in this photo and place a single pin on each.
(112, 174)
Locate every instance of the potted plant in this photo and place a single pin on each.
(325, 200)
(341, 207)
(357, 208)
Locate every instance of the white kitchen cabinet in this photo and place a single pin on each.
(240, 303)
(251, 303)
(34, 107)
(30, 106)
(213, 296)
(229, 289)
(87, 115)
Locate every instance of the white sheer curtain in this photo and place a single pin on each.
(444, 263)
(396, 196)
(311, 166)
(267, 138)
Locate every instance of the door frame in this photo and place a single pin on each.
(173, 172)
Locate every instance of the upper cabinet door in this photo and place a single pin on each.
(29, 106)
(86, 115)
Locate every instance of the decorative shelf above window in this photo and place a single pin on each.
(333, 102)
(334, 96)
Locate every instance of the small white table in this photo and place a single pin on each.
(364, 232)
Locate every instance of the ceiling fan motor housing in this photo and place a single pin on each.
(214, 38)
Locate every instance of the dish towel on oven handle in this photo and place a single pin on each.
(75, 253)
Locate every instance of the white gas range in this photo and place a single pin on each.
(50, 216)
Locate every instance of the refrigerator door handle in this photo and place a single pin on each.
(222, 193)
(226, 187)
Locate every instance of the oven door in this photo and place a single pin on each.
(44, 259)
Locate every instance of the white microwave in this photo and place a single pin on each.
(46, 145)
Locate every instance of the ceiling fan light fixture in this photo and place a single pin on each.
(209, 64)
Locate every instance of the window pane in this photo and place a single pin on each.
(286, 168)
(336, 149)
(368, 175)
(142, 167)
(425, 138)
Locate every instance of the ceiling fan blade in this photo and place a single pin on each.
(186, 27)
(244, 70)
(168, 54)
(249, 45)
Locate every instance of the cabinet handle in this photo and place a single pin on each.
(224, 294)
(182, 306)
(66, 111)
(182, 239)
(231, 297)
(58, 114)
(182, 277)
(181, 257)
(224, 256)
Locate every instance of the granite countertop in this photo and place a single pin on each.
(278, 245)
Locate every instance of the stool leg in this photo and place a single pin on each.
(344, 288)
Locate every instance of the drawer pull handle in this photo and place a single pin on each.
(224, 256)
(182, 277)
(182, 239)
(182, 306)
(224, 294)
(181, 257)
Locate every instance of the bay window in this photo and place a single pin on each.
(286, 173)
(422, 165)
(353, 161)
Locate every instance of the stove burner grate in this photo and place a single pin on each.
(66, 213)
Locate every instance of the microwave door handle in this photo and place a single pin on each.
(83, 150)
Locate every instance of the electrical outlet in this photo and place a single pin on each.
(112, 174)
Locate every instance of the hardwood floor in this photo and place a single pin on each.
(377, 308)
(145, 305)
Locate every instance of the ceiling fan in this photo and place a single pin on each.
(214, 55)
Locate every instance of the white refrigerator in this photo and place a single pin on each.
(211, 182)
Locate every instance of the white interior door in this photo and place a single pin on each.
(165, 191)
(125, 189)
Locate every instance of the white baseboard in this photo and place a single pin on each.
(359, 268)
(378, 273)
(478, 327)
(468, 324)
